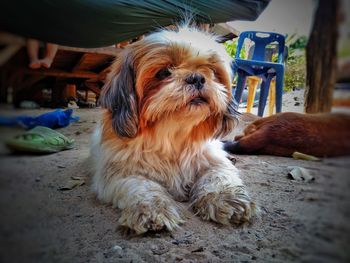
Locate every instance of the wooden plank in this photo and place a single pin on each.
(93, 62)
(80, 62)
(65, 60)
(60, 73)
(104, 50)
(94, 87)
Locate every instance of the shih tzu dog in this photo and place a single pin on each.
(166, 101)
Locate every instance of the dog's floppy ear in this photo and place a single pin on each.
(229, 119)
(119, 96)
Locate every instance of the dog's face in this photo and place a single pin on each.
(171, 77)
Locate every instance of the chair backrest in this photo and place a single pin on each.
(261, 40)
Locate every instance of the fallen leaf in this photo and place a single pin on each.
(300, 174)
(74, 182)
(200, 249)
(303, 156)
(77, 178)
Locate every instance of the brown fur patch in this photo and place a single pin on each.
(149, 58)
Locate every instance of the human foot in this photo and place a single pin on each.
(35, 64)
(46, 62)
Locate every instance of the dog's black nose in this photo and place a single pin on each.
(196, 79)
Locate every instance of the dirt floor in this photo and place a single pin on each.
(299, 221)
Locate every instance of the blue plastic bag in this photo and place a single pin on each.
(53, 120)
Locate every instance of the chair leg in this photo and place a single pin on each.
(272, 97)
(279, 91)
(240, 86)
(234, 69)
(264, 91)
(252, 85)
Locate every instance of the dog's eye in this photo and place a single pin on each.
(163, 73)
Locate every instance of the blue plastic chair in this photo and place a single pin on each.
(258, 66)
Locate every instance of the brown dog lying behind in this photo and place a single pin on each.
(325, 134)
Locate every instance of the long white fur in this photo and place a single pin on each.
(146, 179)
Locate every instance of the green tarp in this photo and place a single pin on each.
(97, 23)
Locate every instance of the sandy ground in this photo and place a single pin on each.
(299, 221)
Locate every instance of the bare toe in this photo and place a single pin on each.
(46, 62)
(34, 64)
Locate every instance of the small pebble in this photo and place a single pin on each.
(117, 248)
(179, 258)
(175, 242)
(159, 250)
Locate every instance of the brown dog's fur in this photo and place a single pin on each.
(165, 102)
(326, 134)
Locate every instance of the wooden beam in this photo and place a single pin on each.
(104, 50)
(60, 73)
(80, 61)
(94, 87)
(92, 62)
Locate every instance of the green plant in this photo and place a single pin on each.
(295, 73)
(295, 66)
(344, 48)
(299, 43)
(231, 48)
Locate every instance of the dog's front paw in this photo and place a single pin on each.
(232, 205)
(153, 215)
